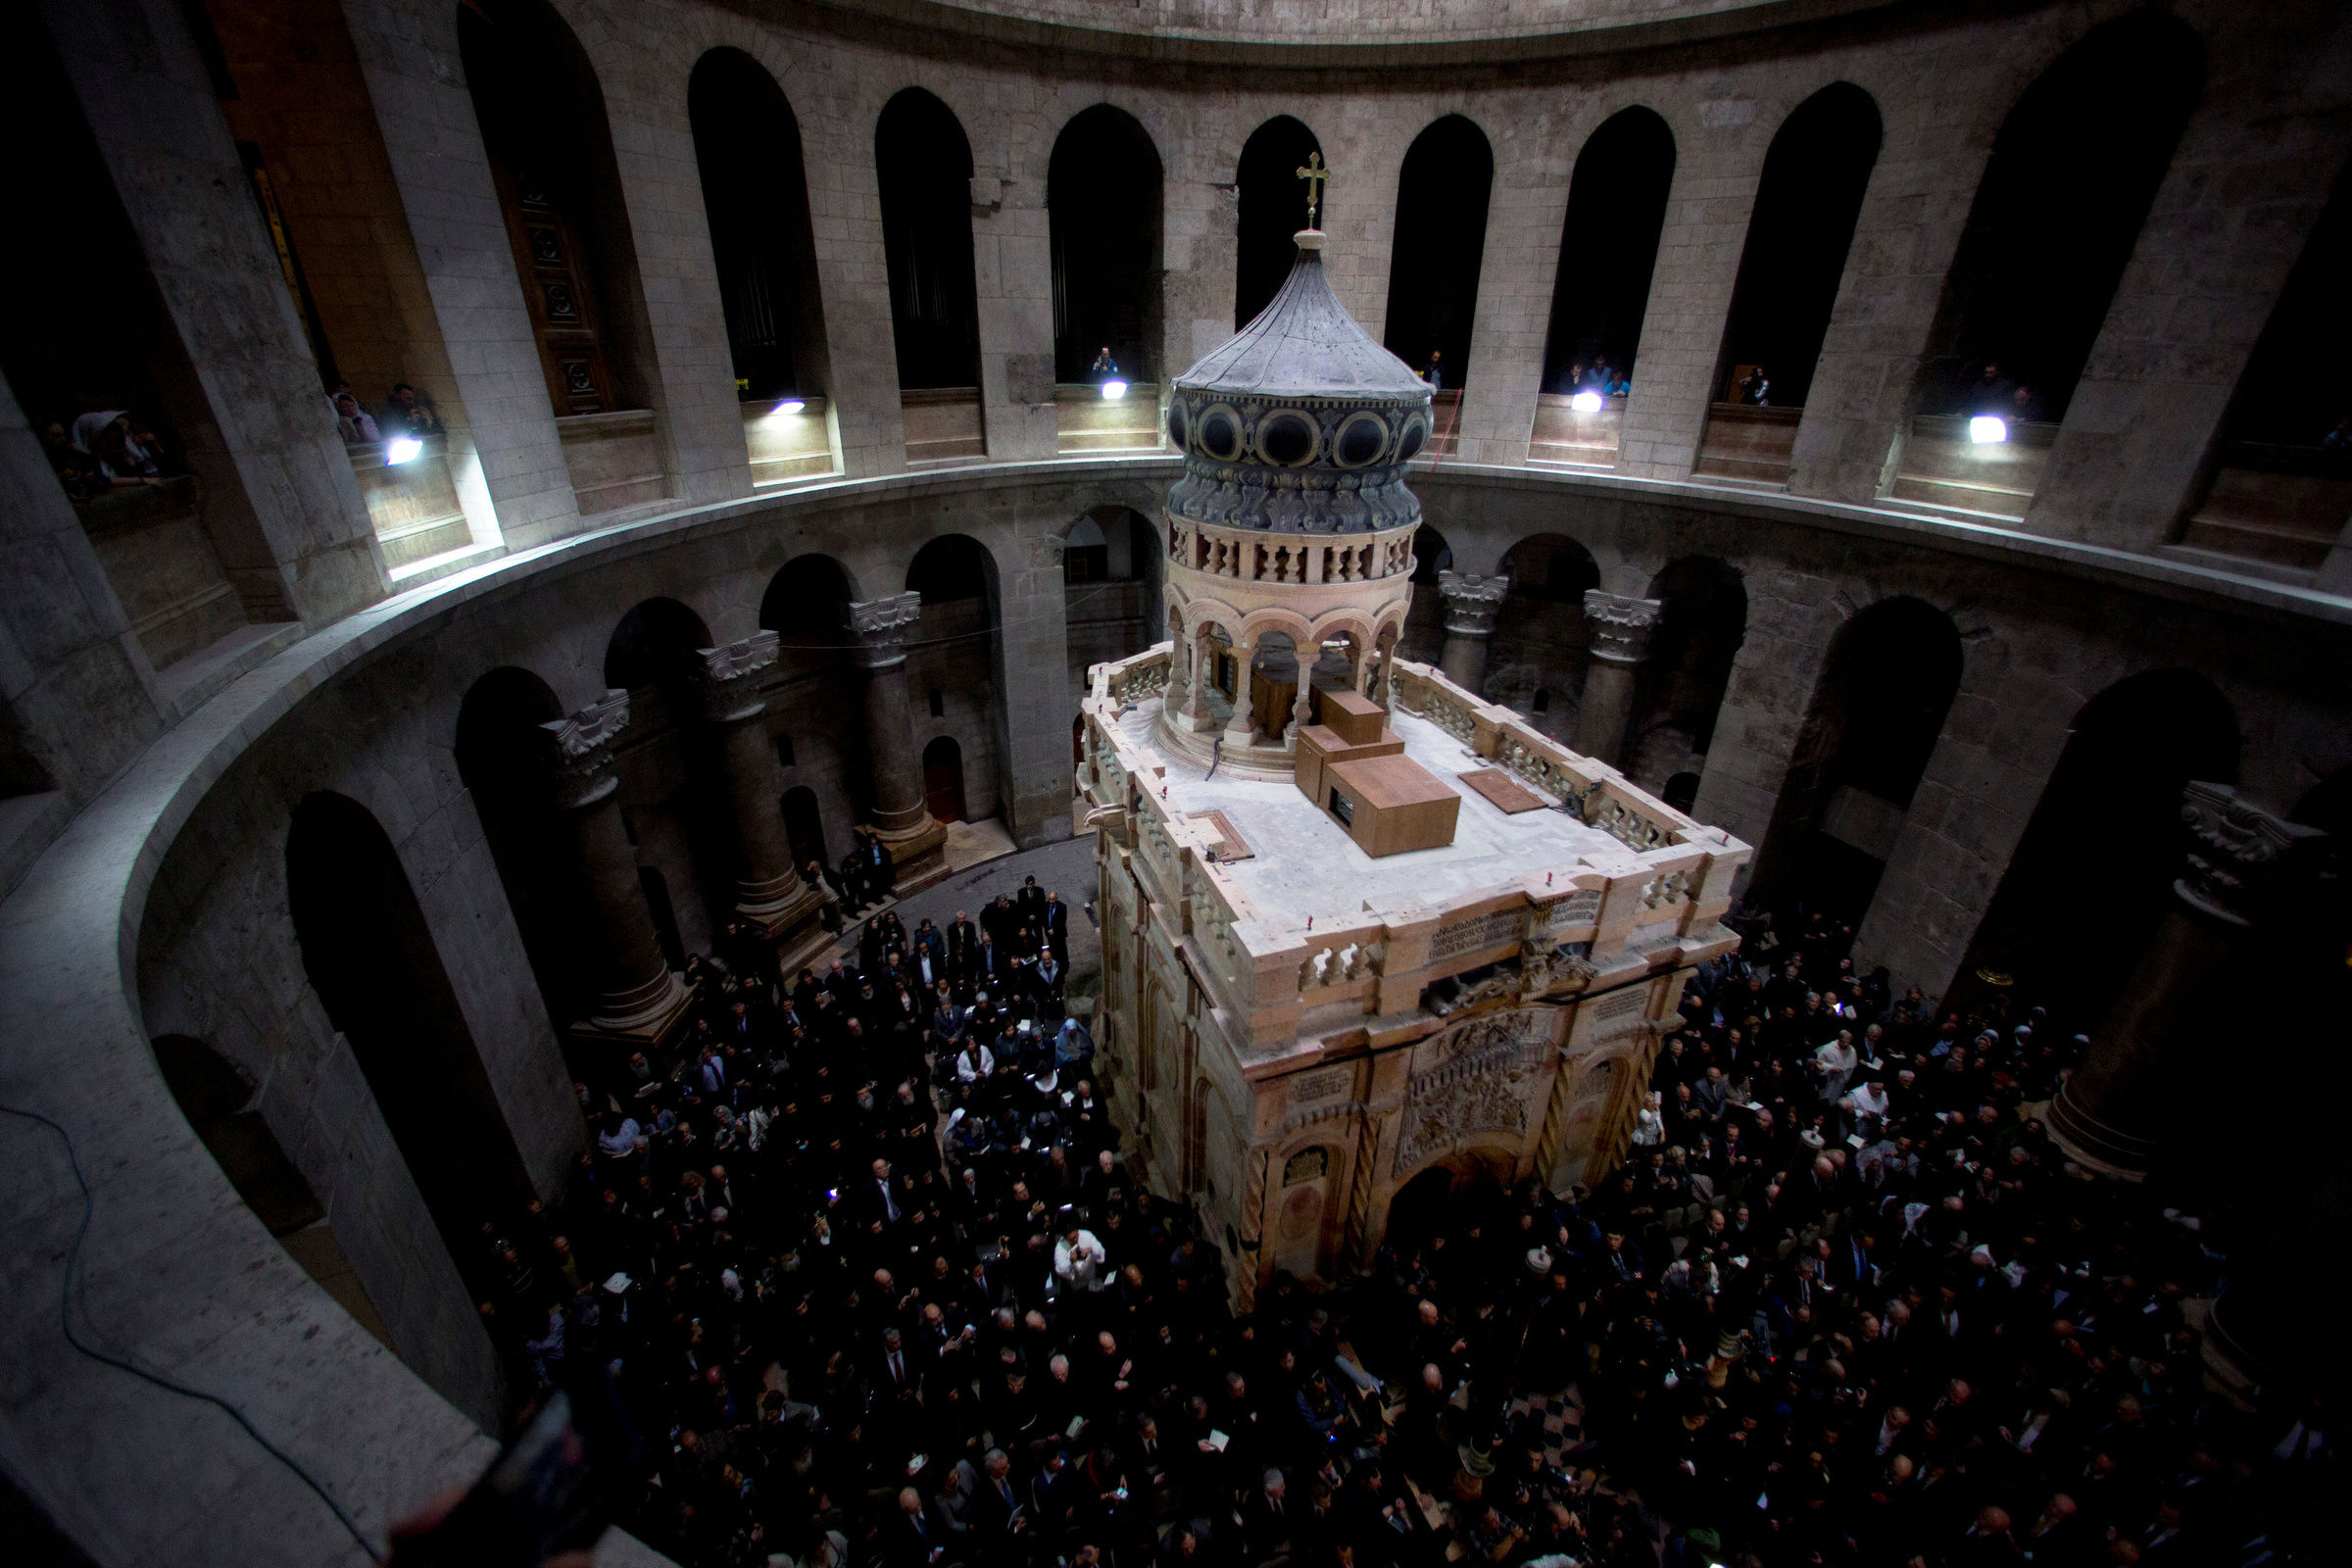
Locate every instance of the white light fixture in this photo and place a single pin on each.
(789, 406)
(1113, 390)
(1986, 428)
(403, 448)
(1586, 402)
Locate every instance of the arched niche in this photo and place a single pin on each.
(956, 665)
(2074, 170)
(378, 973)
(1874, 720)
(1112, 567)
(815, 714)
(1270, 204)
(1702, 620)
(1539, 632)
(1608, 250)
(542, 114)
(1440, 247)
(1424, 636)
(673, 791)
(1103, 201)
(1798, 233)
(503, 756)
(923, 163)
(2092, 874)
(746, 149)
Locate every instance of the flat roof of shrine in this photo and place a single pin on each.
(1302, 863)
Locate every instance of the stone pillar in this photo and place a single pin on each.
(2116, 1113)
(768, 889)
(1193, 712)
(1621, 628)
(632, 990)
(1301, 709)
(1471, 605)
(1241, 729)
(901, 814)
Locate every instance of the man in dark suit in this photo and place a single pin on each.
(963, 937)
(1030, 903)
(1055, 927)
(909, 1540)
(1266, 1518)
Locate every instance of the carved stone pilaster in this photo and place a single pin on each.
(881, 625)
(728, 690)
(581, 751)
(900, 814)
(2239, 854)
(1472, 602)
(1621, 625)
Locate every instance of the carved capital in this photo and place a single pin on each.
(1621, 625)
(881, 624)
(580, 750)
(728, 690)
(1470, 602)
(2241, 857)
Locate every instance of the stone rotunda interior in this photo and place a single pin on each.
(1681, 672)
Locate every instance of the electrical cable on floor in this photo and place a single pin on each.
(65, 1316)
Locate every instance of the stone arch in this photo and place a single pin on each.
(1440, 246)
(1270, 207)
(658, 643)
(1103, 204)
(2074, 167)
(923, 167)
(502, 752)
(1702, 622)
(1601, 293)
(541, 108)
(747, 148)
(672, 794)
(1540, 634)
(1799, 233)
(377, 972)
(955, 664)
(2107, 827)
(1425, 630)
(806, 602)
(1112, 572)
(1876, 715)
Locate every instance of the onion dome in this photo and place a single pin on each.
(1302, 422)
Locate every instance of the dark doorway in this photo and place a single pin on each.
(1271, 201)
(1682, 792)
(1102, 197)
(2108, 823)
(503, 756)
(656, 888)
(957, 653)
(943, 779)
(1609, 247)
(2074, 170)
(1433, 1203)
(747, 146)
(542, 114)
(924, 165)
(1440, 246)
(1876, 715)
(803, 825)
(373, 961)
(1807, 203)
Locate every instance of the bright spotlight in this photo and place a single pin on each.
(403, 448)
(789, 406)
(1113, 390)
(1986, 428)
(1586, 402)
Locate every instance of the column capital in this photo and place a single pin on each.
(729, 691)
(881, 624)
(2241, 857)
(580, 750)
(1621, 624)
(1472, 602)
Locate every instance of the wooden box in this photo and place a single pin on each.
(1390, 804)
(1320, 746)
(1358, 721)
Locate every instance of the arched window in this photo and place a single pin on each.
(2074, 170)
(1807, 203)
(746, 147)
(1271, 203)
(924, 164)
(1608, 250)
(1440, 246)
(542, 114)
(1103, 197)
(1085, 553)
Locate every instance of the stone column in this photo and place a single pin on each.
(1621, 628)
(2116, 1115)
(1471, 605)
(1241, 728)
(768, 889)
(1193, 712)
(901, 814)
(632, 990)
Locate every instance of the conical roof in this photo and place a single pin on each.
(1304, 345)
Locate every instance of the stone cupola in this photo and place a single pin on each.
(1291, 533)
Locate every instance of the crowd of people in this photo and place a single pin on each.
(104, 449)
(879, 1288)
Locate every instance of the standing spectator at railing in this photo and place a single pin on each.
(355, 425)
(409, 412)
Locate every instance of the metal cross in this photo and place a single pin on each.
(1314, 173)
